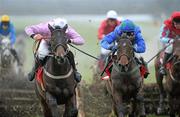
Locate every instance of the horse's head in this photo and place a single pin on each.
(5, 43)
(125, 52)
(176, 53)
(6, 56)
(59, 42)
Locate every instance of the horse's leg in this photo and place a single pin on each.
(118, 103)
(52, 103)
(71, 107)
(171, 106)
(159, 80)
(140, 101)
(134, 108)
(46, 110)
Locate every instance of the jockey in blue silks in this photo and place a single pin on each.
(7, 30)
(131, 30)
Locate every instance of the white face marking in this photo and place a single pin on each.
(124, 44)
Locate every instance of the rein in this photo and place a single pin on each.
(158, 53)
(84, 52)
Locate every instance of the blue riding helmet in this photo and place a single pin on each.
(127, 26)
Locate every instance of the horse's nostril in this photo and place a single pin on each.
(123, 61)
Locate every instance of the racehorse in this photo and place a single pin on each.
(125, 82)
(6, 56)
(7, 60)
(172, 84)
(58, 84)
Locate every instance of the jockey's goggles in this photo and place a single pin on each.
(5, 23)
(129, 33)
(176, 20)
(111, 19)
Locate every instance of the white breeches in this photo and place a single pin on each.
(169, 49)
(104, 51)
(43, 50)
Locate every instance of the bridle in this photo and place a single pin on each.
(124, 54)
(55, 47)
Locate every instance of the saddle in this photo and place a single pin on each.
(39, 75)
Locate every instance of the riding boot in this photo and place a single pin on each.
(13, 51)
(162, 67)
(107, 62)
(37, 63)
(72, 62)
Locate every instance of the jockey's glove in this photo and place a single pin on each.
(170, 40)
(69, 41)
(113, 48)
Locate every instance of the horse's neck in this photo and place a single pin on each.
(58, 69)
(175, 69)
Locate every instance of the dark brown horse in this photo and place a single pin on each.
(58, 78)
(125, 84)
(172, 84)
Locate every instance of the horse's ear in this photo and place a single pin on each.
(50, 28)
(65, 28)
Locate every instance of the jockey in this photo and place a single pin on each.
(107, 26)
(41, 31)
(170, 31)
(7, 30)
(132, 31)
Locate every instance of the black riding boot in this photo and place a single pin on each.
(37, 63)
(72, 62)
(162, 68)
(13, 51)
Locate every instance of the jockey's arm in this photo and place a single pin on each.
(140, 46)
(164, 35)
(101, 31)
(31, 31)
(12, 34)
(108, 39)
(74, 36)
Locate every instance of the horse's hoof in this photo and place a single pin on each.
(142, 115)
(160, 111)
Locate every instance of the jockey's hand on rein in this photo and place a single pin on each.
(38, 37)
(113, 48)
(171, 41)
(69, 41)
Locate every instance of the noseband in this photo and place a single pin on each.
(60, 44)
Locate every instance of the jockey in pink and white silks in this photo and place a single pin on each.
(41, 31)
